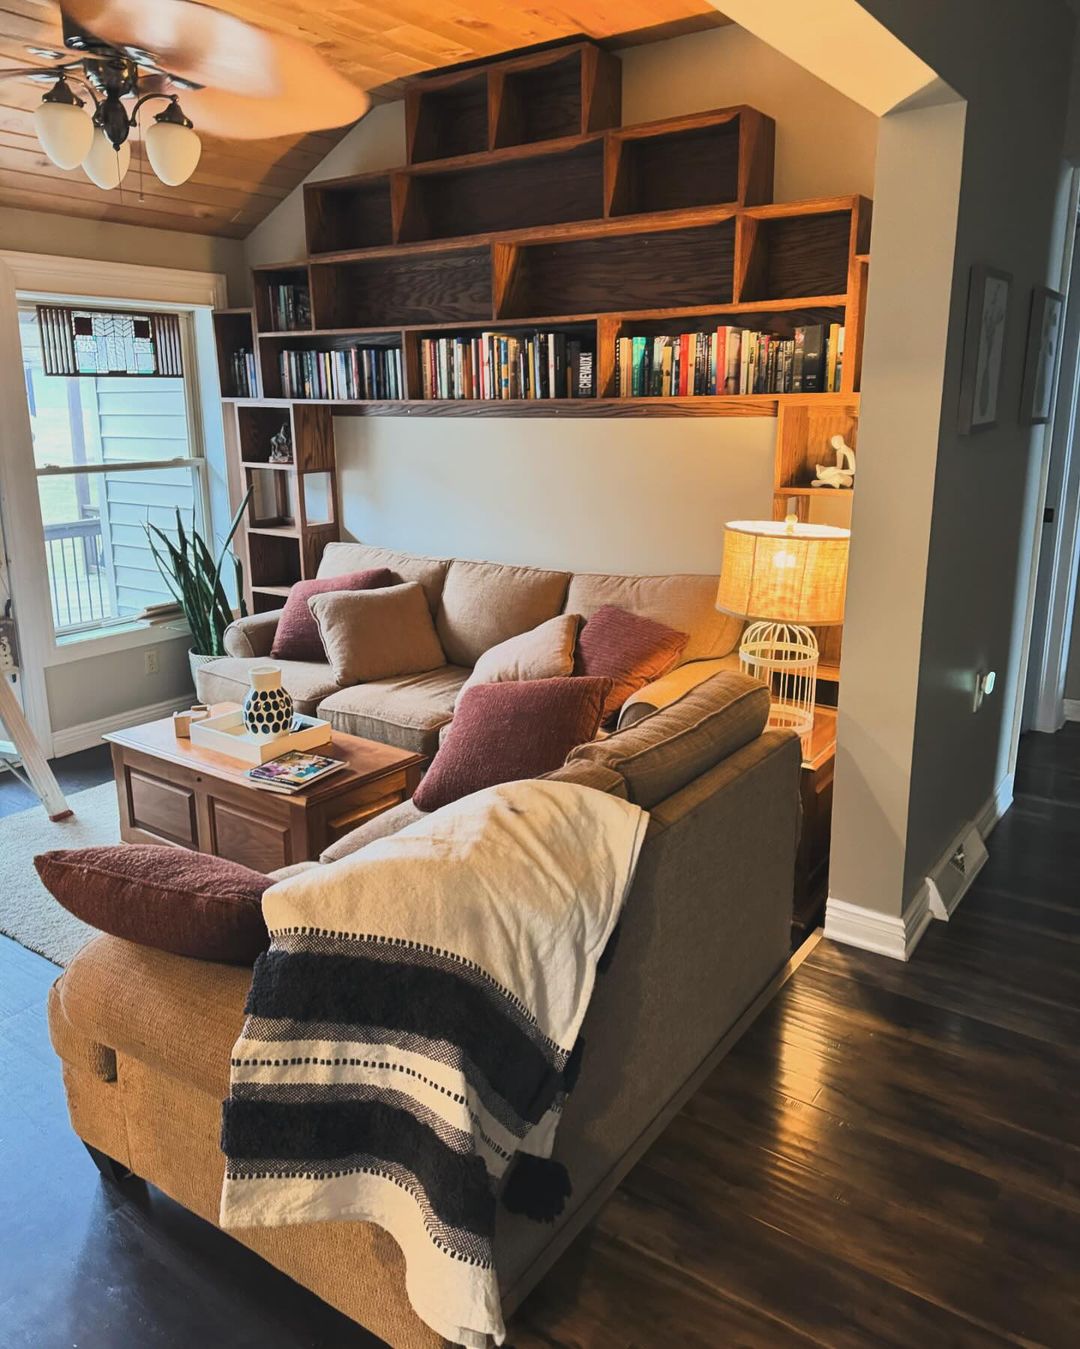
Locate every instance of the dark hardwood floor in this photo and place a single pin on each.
(889, 1157)
(75, 772)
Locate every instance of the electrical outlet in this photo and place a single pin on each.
(150, 661)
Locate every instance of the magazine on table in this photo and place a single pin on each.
(293, 771)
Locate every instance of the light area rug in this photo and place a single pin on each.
(28, 913)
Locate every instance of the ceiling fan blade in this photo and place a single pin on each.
(256, 84)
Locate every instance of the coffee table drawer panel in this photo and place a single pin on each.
(164, 809)
(252, 840)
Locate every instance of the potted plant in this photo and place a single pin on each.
(193, 576)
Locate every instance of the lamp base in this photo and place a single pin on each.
(785, 657)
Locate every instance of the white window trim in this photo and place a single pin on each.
(22, 273)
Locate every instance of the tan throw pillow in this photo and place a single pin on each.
(545, 652)
(376, 634)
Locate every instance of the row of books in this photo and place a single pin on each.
(731, 361)
(358, 372)
(242, 370)
(507, 365)
(290, 307)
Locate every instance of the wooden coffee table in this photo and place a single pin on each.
(174, 792)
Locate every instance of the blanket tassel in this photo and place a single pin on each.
(537, 1188)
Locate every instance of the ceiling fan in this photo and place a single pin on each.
(240, 81)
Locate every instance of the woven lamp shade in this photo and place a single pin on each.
(793, 573)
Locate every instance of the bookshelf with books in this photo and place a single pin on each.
(234, 334)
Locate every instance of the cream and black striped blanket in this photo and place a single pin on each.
(410, 1033)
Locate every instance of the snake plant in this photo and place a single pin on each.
(193, 575)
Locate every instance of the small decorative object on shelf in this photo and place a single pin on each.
(787, 578)
(281, 446)
(842, 474)
(268, 709)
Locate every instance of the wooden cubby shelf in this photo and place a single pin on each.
(524, 206)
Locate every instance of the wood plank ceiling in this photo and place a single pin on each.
(377, 46)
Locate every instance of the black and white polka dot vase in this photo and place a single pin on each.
(268, 709)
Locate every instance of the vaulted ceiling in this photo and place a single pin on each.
(375, 44)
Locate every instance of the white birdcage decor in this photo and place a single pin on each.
(787, 578)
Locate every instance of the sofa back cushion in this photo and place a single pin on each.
(684, 602)
(430, 572)
(485, 603)
(376, 634)
(662, 753)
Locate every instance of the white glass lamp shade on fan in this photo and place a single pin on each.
(105, 166)
(65, 132)
(173, 151)
(788, 578)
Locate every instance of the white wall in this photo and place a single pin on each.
(620, 494)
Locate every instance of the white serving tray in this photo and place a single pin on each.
(226, 734)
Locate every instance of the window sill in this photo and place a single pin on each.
(77, 646)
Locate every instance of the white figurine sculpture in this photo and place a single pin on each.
(842, 474)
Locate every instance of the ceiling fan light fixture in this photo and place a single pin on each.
(172, 146)
(104, 165)
(63, 126)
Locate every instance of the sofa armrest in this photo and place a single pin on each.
(670, 688)
(252, 636)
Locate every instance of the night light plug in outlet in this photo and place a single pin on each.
(150, 661)
(984, 686)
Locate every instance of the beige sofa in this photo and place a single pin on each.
(145, 1037)
(475, 605)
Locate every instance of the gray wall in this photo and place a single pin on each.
(633, 494)
(943, 524)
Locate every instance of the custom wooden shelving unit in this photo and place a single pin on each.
(524, 206)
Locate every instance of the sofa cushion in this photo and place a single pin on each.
(484, 603)
(190, 903)
(544, 652)
(297, 634)
(684, 602)
(227, 681)
(377, 634)
(430, 572)
(406, 712)
(629, 649)
(506, 732)
(663, 752)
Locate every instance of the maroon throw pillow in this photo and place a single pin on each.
(505, 732)
(297, 635)
(627, 648)
(189, 903)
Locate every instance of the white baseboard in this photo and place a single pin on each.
(881, 933)
(997, 805)
(89, 733)
(1072, 709)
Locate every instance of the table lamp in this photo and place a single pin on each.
(785, 577)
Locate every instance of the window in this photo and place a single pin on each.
(112, 453)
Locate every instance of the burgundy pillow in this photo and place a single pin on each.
(189, 903)
(505, 732)
(629, 649)
(297, 635)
